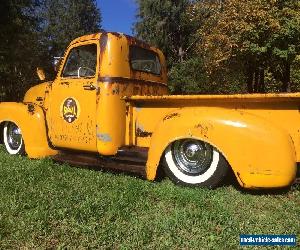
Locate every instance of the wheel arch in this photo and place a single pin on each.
(31, 120)
(238, 136)
(152, 171)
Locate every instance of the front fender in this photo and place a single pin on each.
(31, 120)
(259, 153)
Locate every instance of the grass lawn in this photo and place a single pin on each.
(46, 205)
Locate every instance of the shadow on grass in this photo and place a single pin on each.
(100, 169)
(229, 181)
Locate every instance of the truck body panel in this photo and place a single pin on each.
(31, 120)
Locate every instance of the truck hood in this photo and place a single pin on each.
(36, 94)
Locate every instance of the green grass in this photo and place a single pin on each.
(46, 205)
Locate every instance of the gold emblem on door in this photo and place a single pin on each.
(70, 110)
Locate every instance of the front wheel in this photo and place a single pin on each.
(13, 140)
(192, 162)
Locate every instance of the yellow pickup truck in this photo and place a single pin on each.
(109, 107)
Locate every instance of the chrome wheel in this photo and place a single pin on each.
(14, 136)
(13, 139)
(192, 157)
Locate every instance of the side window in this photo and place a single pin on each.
(81, 62)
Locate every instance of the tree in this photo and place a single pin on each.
(17, 26)
(165, 24)
(33, 32)
(170, 26)
(64, 20)
(257, 36)
(285, 42)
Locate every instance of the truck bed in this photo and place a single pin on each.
(281, 109)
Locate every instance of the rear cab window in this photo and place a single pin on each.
(144, 60)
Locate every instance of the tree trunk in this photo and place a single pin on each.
(256, 80)
(250, 74)
(286, 81)
(262, 87)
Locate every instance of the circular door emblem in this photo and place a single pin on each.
(70, 110)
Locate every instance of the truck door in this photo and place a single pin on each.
(71, 116)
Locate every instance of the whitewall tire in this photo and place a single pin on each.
(13, 139)
(192, 162)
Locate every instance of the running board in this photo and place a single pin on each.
(128, 159)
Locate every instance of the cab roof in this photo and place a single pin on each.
(97, 36)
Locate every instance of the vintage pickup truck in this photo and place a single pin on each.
(109, 107)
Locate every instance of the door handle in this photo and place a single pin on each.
(89, 87)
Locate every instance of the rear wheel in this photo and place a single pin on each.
(194, 163)
(12, 138)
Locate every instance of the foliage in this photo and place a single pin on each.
(58, 29)
(285, 43)
(46, 205)
(188, 72)
(295, 75)
(165, 24)
(17, 60)
(168, 26)
(243, 46)
(258, 35)
(190, 77)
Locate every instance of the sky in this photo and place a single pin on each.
(117, 15)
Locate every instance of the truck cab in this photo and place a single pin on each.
(84, 109)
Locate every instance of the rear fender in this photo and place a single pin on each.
(259, 153)
(31, 120)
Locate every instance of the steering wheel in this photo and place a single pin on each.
(85, 72)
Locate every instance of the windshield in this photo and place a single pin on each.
(81, 62)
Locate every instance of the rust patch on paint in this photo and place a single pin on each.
(171, 116)
(104, 137)
(116, 34)
(30, 108)
(261, 172)
(133, 41)
(116, 91)
(142, 133)
(238, 175)
(203, 129)
(132, 159)
(103, 44)
(126, 81)
(136, 90)
(103, 41)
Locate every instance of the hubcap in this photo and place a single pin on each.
(14, 136)
(192, 157)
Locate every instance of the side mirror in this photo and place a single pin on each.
(56, 62)
(41, 73)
